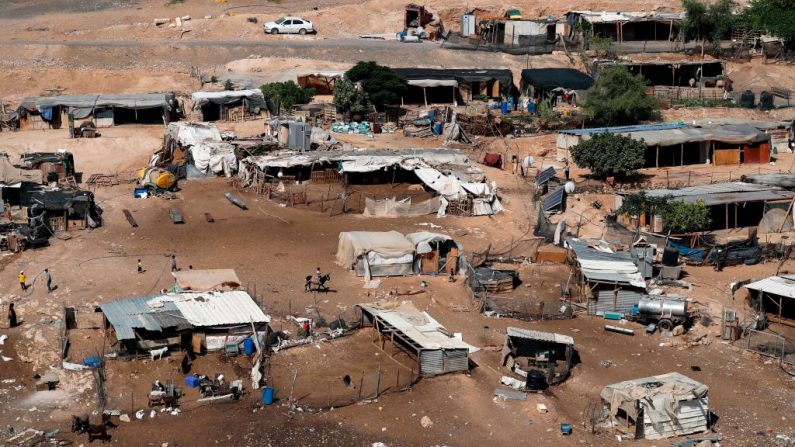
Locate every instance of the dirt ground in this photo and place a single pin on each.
(112, 46)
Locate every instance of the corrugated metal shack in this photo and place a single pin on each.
(685, 144)
(609, 281)
(416, 333)
(775, 296)
(541, 350)
(190, 320)
(731, 205)
(657, 407)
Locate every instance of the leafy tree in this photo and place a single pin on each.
(349, 98)
(382, 85)
(774, 17)
(608, 154)
(228, 85)
(618, 97)
(684, 217)
(640, 203)
(287, 94)
(708, 22)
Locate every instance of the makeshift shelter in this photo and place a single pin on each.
(321, 82)
(197, 321)
(392, 207)
(291, 134)
(539, 350)
(623, 27)
(522, 33)
(416, 333)
(684, 144)
(731, 205)
(228, 105)
(208, 279)
(677, 74)
(12, 177)
(195, 150)
(657, 407)
(371, 253)
(453, 85)
(103, 110)
(60, 210)
(608, 280)
(774, 296)
(539, 82)
(436, 253)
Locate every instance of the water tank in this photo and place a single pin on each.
(467, 25)
(569, 187)
(650, 305)
(747, 99)
(670, 257)
(766, 100)
(536, 380)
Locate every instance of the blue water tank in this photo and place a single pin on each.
(191, 381)
(248, 346)
(267, 395)
(93, 361)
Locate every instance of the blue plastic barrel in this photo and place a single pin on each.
(531, 107)
(267, 395)
(93, 361)
(504, 107)
(248, 346)
(437, 129)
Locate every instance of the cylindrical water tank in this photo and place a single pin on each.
(662, 306)
(670, 257)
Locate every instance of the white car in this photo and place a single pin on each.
(289, 25)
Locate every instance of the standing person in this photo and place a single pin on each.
(12, 316)
(566, 170)
(319, 275)
(140, 266)
(174, 263)
(48, 278)
(22, 278)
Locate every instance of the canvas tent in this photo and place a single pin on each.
(228, 105)
(104, 110)
(657, 407)
(537, 82)
(451, 85)
(436, 252)
(372, 253)
(404, 327)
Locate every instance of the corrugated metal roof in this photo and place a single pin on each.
(181, 311)
(715, 188)
(625, 129)
(775, 285)
(737, 197)
(418, 326)
(540, 336)
(553, 199)
(545, 175)
(605, 266)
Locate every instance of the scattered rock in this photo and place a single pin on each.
(426, 422)
(185, 18)
(679, 330)
(124, 418)
(208, 17)
(159, 22)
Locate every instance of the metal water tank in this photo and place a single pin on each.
(651, 305)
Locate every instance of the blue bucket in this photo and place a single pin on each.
(248, 346)
(267, 395)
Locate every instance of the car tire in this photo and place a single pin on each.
(275, 31)
(302, 31)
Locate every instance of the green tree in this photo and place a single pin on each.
(382, 85)
(683, 217)
(640, 203)
(708, 22)
(349, 98)
(608, 154)
(774, 17)
(228, 85)
(287, 94)
(618, 97)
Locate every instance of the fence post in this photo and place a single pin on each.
(688, 177)
(378, 382)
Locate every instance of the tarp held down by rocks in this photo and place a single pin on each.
(669, 404)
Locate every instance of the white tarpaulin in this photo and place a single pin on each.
(215, 158)
(446, 185)
(388, 244)
(433, 82)
(189, 134)
(401, 208)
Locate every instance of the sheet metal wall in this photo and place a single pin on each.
(438, 361)
(622, 301)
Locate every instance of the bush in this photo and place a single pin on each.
(618, 98)
(228, 85)
(286, 94)
(251, 20)
(683, 217)
(382, 85)
(708, 22)
(608, 154)
(349, 98)
(774, 17)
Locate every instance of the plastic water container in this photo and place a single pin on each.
(267, 395)
(504, 107)
(93, 361)
(531, 107)
(437, 129)
(248, 346)
(191, 381)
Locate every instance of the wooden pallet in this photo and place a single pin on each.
(103, 180)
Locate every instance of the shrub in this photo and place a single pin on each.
(683, 217)
(608, 154)
(382, 85)
(618, 98)
(287, 94)
(349, 98)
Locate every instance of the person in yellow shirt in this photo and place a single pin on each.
(22, 279)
